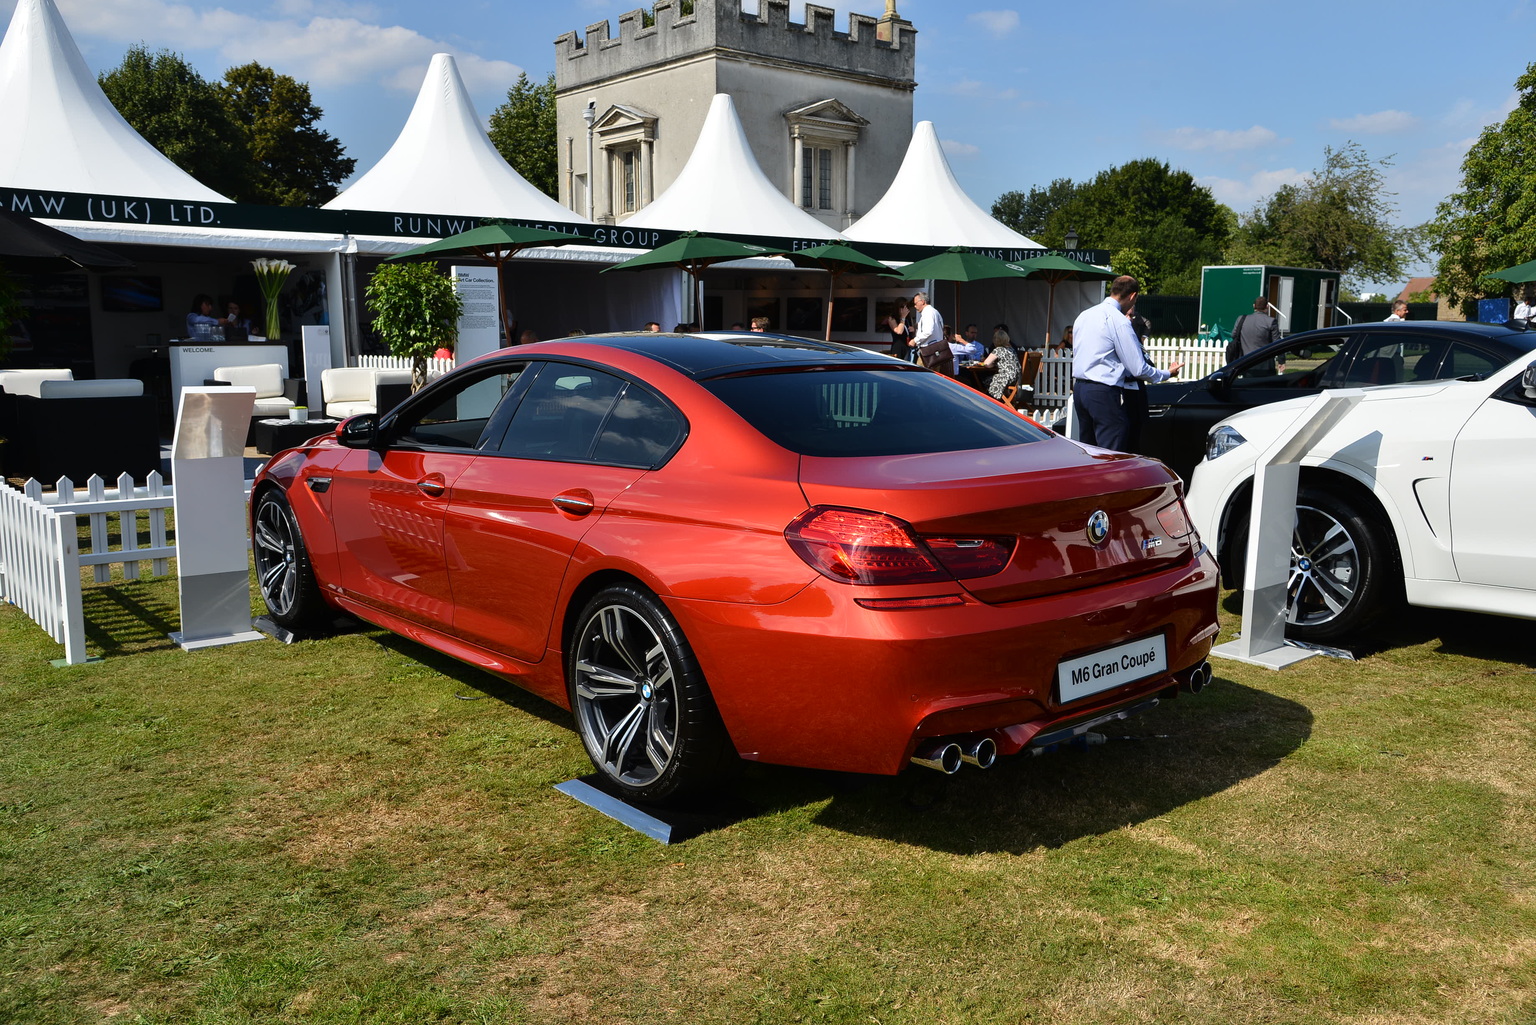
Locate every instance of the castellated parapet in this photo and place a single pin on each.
(879, 50)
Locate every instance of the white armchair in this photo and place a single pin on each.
(274, 395)
(348, 391)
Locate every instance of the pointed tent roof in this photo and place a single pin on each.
(722, 190)
(61, 132)
(925, 206)
(444, 163)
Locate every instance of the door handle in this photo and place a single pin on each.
(578, 502)
(432, 486)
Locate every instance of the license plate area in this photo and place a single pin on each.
(1109, 668)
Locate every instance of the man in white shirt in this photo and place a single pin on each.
(930, 326)
(1107, 362)
(1525, 311)
(1399, 311)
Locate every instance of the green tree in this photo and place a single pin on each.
(1491, 223)
(415, 311)
(294, 163)
(523, 130)
(181, 115)
(1172, 223)
(1340, 217)
(1030, 213)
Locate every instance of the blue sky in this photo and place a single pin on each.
(1244, 98)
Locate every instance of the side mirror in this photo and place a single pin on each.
(1528, 381)
(1219, 382)
(358, 431)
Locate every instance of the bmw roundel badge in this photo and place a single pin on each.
(1098, 527)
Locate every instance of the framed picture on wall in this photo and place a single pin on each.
(131, 293)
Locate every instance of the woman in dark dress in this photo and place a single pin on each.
(900, 327)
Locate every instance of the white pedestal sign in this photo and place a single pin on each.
(1275, 481)
(478, 324)
(208, 470)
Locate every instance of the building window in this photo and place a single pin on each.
(816, 179)
(629, 159)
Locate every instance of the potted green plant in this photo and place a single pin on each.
(415, 311)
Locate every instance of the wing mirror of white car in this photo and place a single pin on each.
(1528, 381)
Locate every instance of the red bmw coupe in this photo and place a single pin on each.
(726, 546)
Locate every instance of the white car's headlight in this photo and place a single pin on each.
(1222, 440)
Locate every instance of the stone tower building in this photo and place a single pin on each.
(828, 113)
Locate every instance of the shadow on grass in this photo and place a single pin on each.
(128, 618)
(1180, 752)
(490, 686)
(1468, 634)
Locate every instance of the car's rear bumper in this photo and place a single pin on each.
(819, 681)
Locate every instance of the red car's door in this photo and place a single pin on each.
(579, 438)
(388, 515)
(388, 504)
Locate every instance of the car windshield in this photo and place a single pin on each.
(870, 412)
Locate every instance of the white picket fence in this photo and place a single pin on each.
(41, 561)
(435, 367)
(1053, 384)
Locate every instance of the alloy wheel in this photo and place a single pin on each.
(626, 696)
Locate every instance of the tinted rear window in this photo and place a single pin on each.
(870, 412)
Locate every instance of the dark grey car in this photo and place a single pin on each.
(1181, 413)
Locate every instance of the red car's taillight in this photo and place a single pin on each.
(1174, 520)
(859, 547)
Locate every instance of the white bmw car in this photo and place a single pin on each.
(1424, 492)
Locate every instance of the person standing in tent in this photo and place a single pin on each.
(928, 343)
(1107, 361)
(900, 326)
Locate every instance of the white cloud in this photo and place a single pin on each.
(999, 23)
(971, 87)
(959, 149)
(1242, 194)
(322, 43)
(1218, 139)
(1382, 122)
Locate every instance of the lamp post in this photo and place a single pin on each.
(1071, 240)
(589, 114)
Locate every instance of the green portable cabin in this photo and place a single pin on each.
(1302, 298)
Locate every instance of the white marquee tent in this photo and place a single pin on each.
(443, 162)
(722, 190)
(925, 206)
(61, 132)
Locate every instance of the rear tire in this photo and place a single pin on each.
(283, 571)
(641, 703)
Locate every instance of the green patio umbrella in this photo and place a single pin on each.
(1518, 275)
(693, 252)
(1055, 269)
(837, 259)
(957, 264)
(493, 243)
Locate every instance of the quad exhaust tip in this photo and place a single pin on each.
(979, 751)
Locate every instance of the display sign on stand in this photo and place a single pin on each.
(478, 333)
(212, 561)
(317, 359)
(1273, 521)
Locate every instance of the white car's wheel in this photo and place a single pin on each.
(1341, 563)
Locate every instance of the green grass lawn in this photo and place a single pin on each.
(357, 830)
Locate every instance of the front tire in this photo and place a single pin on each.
(641, 704)
(283, 571)
(1341, 566)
